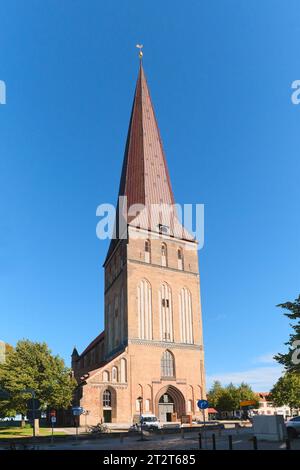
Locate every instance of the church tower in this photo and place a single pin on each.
(150, 356)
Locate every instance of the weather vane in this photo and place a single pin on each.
(140, 47)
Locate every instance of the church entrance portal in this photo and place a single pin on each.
(169, 402)
(165, 408)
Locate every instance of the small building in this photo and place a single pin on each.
(212, 413)
(266, 407)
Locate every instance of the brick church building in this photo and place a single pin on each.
(150, 355)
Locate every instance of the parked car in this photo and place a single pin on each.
(293, 426)
(150, 422)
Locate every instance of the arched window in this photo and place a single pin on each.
(166, 315)
(123, 368)
(116, 324)
(167, 364)
(166, 398)
(144, 309)
(114, 374)
(147, 405)
(120, 259)
(105, 376)
(147, 251)
(122, 255)
(106, 399)
(115, 267)
(180, 258)
(164, 255)
(189, 406)
(186, 316)
(138, 405)
(122, 315)
(110, 329)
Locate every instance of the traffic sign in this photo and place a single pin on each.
(202, 404)
(77, 410)
(36, 404)
(37, 414)
(4, 395)
(53, 419)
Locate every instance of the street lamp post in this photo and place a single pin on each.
(140, 400)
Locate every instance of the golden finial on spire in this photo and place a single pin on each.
(140, 47)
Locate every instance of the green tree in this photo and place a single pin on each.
(291, 359)
(233, 394)
(245, 392)
(286, 391)
(227, 401)
(32, 366)
(214, 394)
(228, 398)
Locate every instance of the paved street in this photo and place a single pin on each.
(241, 440)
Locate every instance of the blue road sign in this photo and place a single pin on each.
(77, 410)
(202, 404)
(37, 414)
(4, 395)
(36, 404)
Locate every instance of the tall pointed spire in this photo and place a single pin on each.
(145, 177)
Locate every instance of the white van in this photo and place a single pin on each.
(150, 421)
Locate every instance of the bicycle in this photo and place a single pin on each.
(99, 429)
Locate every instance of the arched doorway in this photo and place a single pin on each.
(169, 400)
(107, 406)
(109, 402)
(165, 408)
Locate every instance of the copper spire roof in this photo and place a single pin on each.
(145, 178)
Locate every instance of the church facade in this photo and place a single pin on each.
(150, 357)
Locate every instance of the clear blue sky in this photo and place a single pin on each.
(220, 75)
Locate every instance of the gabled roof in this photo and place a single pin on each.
(93, 343)
(93, 372)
